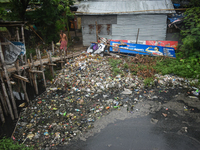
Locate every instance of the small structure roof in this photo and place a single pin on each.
(125, 7)
(11, 23)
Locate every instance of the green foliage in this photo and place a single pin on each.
(48, 74)
(194, 3)
(52, 17)
(114, 62)
(188, 67)
(29, 51)
(8, 144)
(125, 66)
(116, 71)
(18, 9)
(148, 81)
(3, 13)
(191, 32)
(115, 66)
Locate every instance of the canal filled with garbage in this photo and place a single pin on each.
(87, 107)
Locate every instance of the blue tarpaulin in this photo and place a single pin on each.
(175, 17)
(130, 48)
(21, 46)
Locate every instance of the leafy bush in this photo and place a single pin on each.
(8, 144)
(191, 32)
(115, 65)
(148, 81)
(188, 67)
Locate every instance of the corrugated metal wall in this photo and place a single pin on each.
(124, 27)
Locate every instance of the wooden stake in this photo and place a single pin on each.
(97, 37)
(51, 67)
(1, 114)
(137, 35)
(30, 74)
(42, 68)
(5, 107)
(23, 40)
(52, 47)
(6, 97)
(64, 53)
(8, 82)
(61, 57)
(36, 50)
(17, 31)
(22, 83)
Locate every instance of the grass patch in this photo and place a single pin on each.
(148, 81)
(9, 144)
(188, 67)
(115, 63)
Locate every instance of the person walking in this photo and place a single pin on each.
(63, 41)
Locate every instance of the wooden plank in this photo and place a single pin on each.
(21, 78)
(35, 71)
(5, 43)
(8, 82)
(51, 64)
(44, 61)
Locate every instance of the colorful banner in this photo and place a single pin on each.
(141, 49)
(173, 44)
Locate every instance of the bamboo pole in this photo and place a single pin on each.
(42, 68)
(1, 114)
(8, 82)
(22, 83)
(6, 96)
(3, 101)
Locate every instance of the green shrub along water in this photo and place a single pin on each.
(9, 144)
(184, 67)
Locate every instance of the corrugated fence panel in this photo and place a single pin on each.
(108, 19)
(152, 27)
(103, 29)
(87, 38)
